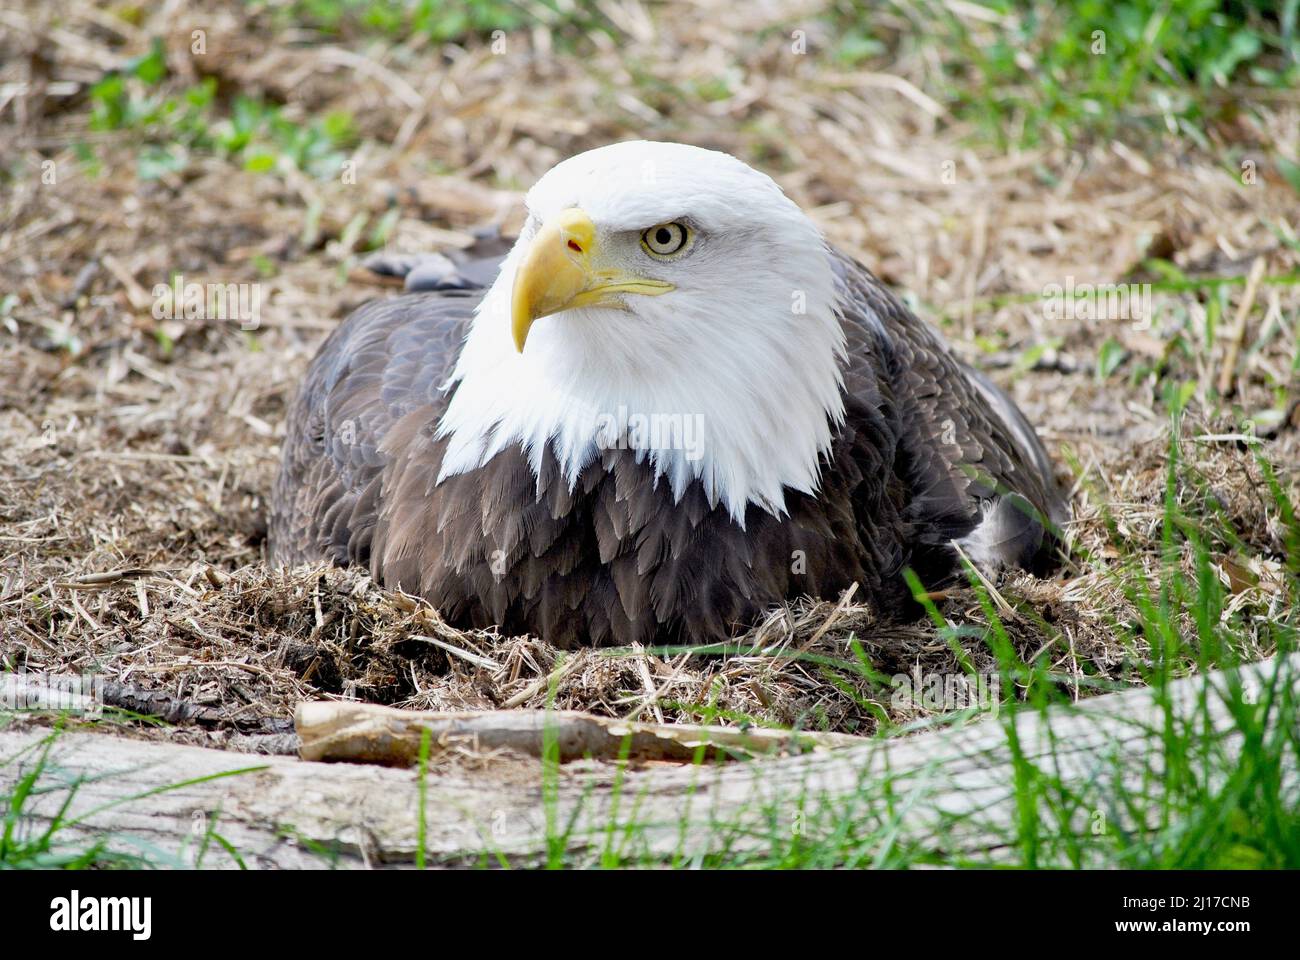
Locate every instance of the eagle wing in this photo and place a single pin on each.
(978, 472)
(387, 359)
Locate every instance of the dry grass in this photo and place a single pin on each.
(133, 444)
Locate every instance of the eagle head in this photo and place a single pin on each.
(667, 299)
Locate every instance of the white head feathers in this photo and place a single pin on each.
(732, 378)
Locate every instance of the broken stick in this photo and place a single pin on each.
(366, 733)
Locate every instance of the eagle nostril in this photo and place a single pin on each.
(575, 246)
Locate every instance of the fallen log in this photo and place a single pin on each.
(951, 790)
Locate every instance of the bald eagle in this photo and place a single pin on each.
(674, 407)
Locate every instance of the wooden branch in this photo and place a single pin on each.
(87, 696)
(34, 691)
(949, 790)
(366, 733)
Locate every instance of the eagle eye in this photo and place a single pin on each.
(665, 240)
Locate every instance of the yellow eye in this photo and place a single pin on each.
(666, 239)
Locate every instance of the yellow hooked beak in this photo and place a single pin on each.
(563, 269)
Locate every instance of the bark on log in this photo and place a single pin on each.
(949, 790)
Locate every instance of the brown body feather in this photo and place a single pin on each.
(927, 451)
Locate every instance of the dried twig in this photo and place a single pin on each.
(1228, 372)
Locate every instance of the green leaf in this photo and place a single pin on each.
(338, 126)
(260, 162)
(1109, 358)
(854, 48)
(155, 161)
(263, 265)
(1291, 171)
(1244, 45)
(152, 66)
(383, 230)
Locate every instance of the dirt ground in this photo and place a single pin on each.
(137, 454)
